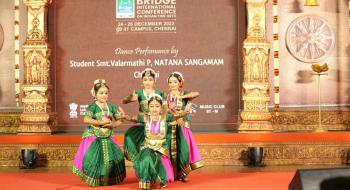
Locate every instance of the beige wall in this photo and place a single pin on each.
(295, 89)
(7, 68)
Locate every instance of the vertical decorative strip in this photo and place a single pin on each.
(255, 116)
(37, 117)
(276, 55)
(17, 74)
(349, 14)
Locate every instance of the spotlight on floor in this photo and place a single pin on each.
(28, 157)
(255, 156)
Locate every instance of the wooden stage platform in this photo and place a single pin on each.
(216, 149)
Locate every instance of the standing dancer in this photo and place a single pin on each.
(134, 135)
(184, 152)
(99, 160)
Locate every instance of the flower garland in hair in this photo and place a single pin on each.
(101, 81)
(97, 81)
(156, 96)
(181, 78)
(148, 72)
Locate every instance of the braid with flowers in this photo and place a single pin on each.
(148, 72)
(98, 83)
(156, 97)
(179, 77)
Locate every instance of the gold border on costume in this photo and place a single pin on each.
(197, 165)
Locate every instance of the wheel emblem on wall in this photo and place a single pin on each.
(310, 38)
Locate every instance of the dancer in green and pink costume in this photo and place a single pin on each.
(99, 160)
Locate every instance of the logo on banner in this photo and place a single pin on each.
(83, 109)
(212, 108)
(125, 8)
(73, 110)
(193, 108)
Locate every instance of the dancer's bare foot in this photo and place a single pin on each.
(184, 179)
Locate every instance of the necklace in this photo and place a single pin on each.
(156, 128)
(147, 96)
(172, 101)
(105, 115)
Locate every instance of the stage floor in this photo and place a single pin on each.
(223, 177)
(209, 177)
(328, 148)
